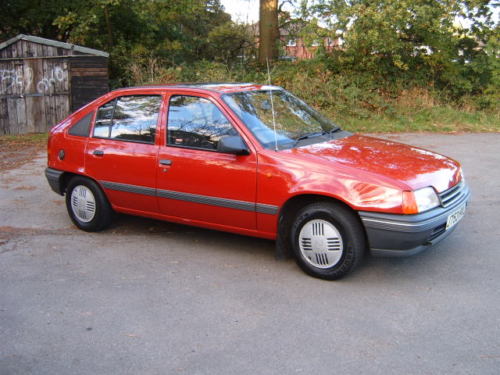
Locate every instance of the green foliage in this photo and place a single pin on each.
(138, 34)
(420, 41)
(357, 102)
(403, 65)
(29, 17)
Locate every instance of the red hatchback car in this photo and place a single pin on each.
(257, 161)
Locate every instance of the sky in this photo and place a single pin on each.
(247, 11)
(244, 11)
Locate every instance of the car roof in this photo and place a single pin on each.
(220, 87)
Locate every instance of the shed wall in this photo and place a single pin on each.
(89, 79)
(24, 48)
(34, 94)
(41, 84)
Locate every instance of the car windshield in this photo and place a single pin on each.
(294, 121)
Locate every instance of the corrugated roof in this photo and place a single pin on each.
(53, 43)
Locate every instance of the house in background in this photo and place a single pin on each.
(292, 44)
(42, 81)
(295, 47)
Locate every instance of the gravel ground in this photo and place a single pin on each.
(148, 297)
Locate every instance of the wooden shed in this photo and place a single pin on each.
(43, 80)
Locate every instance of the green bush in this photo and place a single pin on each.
(357, 102)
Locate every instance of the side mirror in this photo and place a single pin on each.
(232, 144)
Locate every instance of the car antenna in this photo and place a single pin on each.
(272, 105)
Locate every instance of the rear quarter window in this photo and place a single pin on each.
(82, 127)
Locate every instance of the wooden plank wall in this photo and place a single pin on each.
(89, 79)
(35, 92)
(23, 48)
(39, 91)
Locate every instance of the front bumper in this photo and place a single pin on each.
(404, 235)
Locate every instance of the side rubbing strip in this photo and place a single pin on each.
(195, 198)
(266, 209)
(129, 188)
(203, 199)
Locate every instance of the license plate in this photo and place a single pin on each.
(455, 217)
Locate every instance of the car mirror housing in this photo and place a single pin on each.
(233, 144)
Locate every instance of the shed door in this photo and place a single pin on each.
(34, 94)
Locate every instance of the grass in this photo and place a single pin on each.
(412, 111)
(23, 140)
(434, 119)
(358, 103)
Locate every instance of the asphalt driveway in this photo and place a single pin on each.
(148, 297)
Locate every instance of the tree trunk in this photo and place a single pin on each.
(109, 27)
(268, 30)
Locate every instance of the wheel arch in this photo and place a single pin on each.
(67, 176)
(289, 210)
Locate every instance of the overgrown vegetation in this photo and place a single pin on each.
(356, 104)
(403, 65)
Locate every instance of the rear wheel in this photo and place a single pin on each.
(87, 205)
(328, 240)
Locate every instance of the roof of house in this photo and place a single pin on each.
(53, 43)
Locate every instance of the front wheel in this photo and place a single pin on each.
(87, 205)
(328, 240)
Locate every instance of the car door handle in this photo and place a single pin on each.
(98, 152)
(165, 162)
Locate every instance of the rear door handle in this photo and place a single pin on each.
(98, 152)
(165, 162)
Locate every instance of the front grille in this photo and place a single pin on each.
(452, 195)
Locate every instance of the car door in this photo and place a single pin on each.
(121, 154)
(195, 181)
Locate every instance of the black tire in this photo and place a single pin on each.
(344, 248)
(102, 211)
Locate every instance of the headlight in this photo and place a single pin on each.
(420, 200)
(426, 199)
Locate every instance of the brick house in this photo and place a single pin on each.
(293, 46)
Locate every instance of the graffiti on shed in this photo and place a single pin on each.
(42, 81)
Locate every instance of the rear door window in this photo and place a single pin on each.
(129, 118)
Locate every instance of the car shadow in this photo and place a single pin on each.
(134, 225)
(381, 269)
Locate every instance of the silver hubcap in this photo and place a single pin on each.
(83, 203)
(320, 243)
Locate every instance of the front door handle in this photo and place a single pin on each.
(165, 162)
(98, 152)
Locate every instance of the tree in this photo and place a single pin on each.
(228, 42)
(424, 40)
(268, 30)
(30, 17)
(145, 34)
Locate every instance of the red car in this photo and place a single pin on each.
(257, 161)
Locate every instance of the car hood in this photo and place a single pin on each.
(412, 166)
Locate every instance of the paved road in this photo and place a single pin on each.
(148, 297)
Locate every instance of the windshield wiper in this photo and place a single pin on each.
(315, 134)
(307, 136)
(330, 132)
